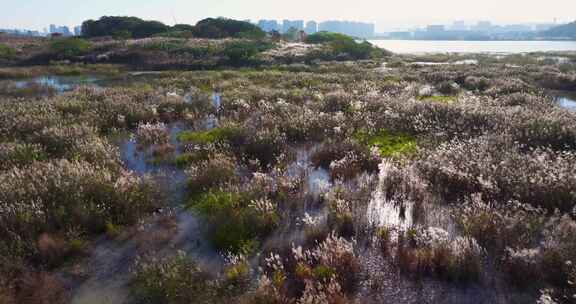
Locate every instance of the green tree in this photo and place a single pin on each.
(222, 28)
(109, 26)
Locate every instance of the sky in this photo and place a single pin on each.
(387, 14)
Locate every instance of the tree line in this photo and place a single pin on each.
(133, 27)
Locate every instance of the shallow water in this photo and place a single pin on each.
(567, 101)
(169, 230)
(59, 84)
(460, 62)
(48, 85)
(317, 179)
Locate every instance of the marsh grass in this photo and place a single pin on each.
(173, 280)
(217, 135)
(500, 160)
(441, 99)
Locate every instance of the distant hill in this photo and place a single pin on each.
(562, 31)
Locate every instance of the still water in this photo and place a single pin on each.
(567, 101)
(494, 47)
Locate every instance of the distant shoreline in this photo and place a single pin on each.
(474, 40)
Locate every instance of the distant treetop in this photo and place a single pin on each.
(128, 26)
(223, 28)
(132, 27)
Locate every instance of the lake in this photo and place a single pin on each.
(494, 47)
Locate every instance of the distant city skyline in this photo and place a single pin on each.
(36, 14)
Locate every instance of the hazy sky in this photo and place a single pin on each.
(387, 14)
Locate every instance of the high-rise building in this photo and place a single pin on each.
(355, 29)
(435, 28)
(269, 25)
(64, 30)
(52, 29)
(483, 26)
(459, 26)
(296, 24)
(311, 27)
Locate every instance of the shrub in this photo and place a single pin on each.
(244, 52)
(235, 223)
(498, 226)
(77, 142)
(476, 83)
(6, 52)
(265, 146)
(340, 44)
(431, 252)
(20, 154)
(448, 88)
(69, 47)
(152, 134)
(324, 37)
(332, 261)
(217, 171)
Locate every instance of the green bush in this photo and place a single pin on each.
(244, 52)
(6, 52)
(69, 47)
(325, 37)
(235, 225)
(342, 45)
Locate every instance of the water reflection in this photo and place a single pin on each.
(59, 84)
(317, 179)
(49, 85)
(567, 102)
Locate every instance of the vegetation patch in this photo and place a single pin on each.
(69, 47)
(340, 45)
(171, 280)
(216, 135)
(236, 224)
(439, 99)
(389, 144)
(6, 52)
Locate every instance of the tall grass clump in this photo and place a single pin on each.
(15, 154)
(326, 273)
(431, 251)
(502, 171)
(237, 221)
(60, 196)
(173, 280)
